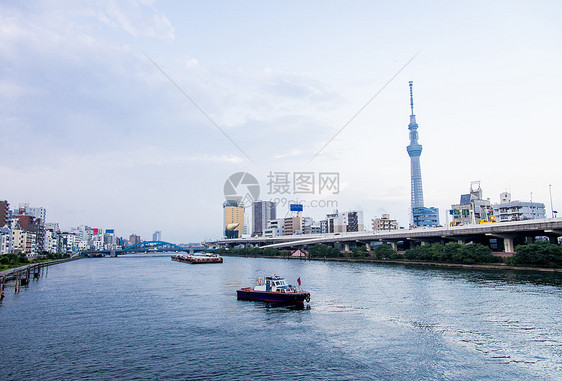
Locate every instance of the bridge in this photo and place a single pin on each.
(144, 247)
(501, 236)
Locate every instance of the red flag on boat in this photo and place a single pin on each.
(299, 281)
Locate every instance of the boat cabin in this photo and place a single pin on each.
(274, 284)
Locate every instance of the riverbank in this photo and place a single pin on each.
(8, 272)
(494, 266)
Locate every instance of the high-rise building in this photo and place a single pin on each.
(233, 219)
(157, 235)
(4, 213)
(421, 215)
(263, 212)
(134, 239)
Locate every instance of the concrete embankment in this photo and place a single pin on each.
(8, 273)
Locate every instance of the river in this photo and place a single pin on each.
(147, 317)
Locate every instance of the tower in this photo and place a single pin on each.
(421, 215)
(414, 151)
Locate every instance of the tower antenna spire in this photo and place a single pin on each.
(412, 96)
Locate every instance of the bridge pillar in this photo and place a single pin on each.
(460, 241)
(368, 246)
(508, 245)
(394, 246)
(346, 247)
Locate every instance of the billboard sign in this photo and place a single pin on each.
(295, 207)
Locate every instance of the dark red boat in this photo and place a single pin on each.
(274, 289)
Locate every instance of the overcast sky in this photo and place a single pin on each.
(95, 129)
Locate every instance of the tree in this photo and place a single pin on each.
(359, 252)
(384, 251)
(541, 254)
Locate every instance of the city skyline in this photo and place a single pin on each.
(97, 135)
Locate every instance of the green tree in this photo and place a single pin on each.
(359, 252)
(541, 254)
(384, 251)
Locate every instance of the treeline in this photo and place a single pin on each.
(8, 261)
(540, 254)
(254, 252)
(452, 252)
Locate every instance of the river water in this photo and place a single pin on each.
(132, 318)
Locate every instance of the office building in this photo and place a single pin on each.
(4, 213)
(233, 226)
(133, 239)
(157, 235)
(263, 212)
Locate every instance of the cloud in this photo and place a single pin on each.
(135, 18)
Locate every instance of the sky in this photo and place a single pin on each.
(132, 115)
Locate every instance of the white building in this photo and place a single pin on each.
(508, 210)
(275, 228)
(25, 243)
(51, 241)
(350, 221)
(5, 241)
(384, 223)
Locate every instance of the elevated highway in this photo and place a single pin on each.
(504, 235)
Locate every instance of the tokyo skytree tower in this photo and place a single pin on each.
(414, 151)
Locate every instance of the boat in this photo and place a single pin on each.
(198, 258)
(274, 289)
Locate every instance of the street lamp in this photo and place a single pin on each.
(551, 208)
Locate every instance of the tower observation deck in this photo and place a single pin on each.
(414, 151)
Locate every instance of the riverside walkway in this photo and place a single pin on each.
(23, 274)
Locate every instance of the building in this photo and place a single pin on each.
(345, 222)
(157, 235)
(5, 241)
(472, 208)
(293, 225)
(426, 216)
(52, 241)
(25, 242)
(134, 239)
(233, 226)
(38, 213)
(384, 223)
(421, 215)
(262, 212)
(54, 226)
(4, 213)
(275, 228)
(508, 210)
(71, 243)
